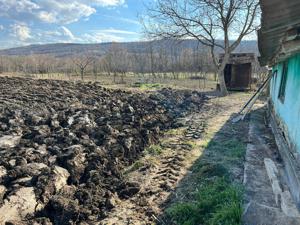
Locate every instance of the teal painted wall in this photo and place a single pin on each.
(289, 110)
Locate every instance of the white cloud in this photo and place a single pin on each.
(67, 33)
(107, 35)
(106, 2)
(22, 35)
(100, 37)
(61, 34)
(46, 17)
(17, 6)
(123, 19)
(129, 21)
(52, 11)
(21, 32)
(1, 27)
(64, 35)
(116, 31)
(58, 13)
(64, 12)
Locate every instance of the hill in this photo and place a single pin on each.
(69, 49)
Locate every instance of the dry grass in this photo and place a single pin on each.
(133, 81)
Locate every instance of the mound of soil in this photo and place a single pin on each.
(63, 145)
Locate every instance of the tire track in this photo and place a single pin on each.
(159, 181)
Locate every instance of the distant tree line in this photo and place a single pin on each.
(167, 61)
(117, 61)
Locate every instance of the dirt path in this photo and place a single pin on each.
(164, 172)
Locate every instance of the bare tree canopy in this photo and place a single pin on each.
(207, 21)
(82, 62)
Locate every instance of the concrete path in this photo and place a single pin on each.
(267, 197)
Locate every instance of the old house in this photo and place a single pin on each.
(238, 71)
(279, 44)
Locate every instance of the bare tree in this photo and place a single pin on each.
(96, 66)
(139, 61)
(117, 61)
(43, 63)
(2, 64)
(107, 63)
(207, 21)
(174, 60)
(82, 62)
(152, 59)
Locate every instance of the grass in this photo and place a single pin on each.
(145, 86)
(207, 170)
(130, 80)
(174, 132)
(134, 167)
(218, 203)
(205, 143)
(213, 198)
(232, 148)
(190, 144)
(237, 148)
(151, 153)
(154, 150)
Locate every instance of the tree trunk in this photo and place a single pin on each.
(95, 74)
(122, 78)
(215, 76)
(221, 77)
(115, 75)
(81, 73)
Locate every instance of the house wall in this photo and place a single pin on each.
(288, 112)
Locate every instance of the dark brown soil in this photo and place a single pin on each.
(92, 132)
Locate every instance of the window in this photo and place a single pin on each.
(282, 87)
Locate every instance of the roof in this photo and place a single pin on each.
(279, 18)
(239, 58)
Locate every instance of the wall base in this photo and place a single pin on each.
(289, 158)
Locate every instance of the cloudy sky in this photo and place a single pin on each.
(24, 22)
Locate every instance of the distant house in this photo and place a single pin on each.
(279, 44)
(238, 71)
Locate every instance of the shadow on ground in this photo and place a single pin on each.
(211, 192)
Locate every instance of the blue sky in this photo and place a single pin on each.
(25, 22)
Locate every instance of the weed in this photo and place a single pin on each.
(205, 143)
(174, 132)
(216, 203)
(237, 148)
(191, 144)
(229, 214)
(232, 148)
(207, 169)
(134, 167)
(154, 150)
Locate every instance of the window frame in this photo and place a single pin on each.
(283, 82)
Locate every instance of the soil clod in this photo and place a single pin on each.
(64, 145)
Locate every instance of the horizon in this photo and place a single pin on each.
(99, 43)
